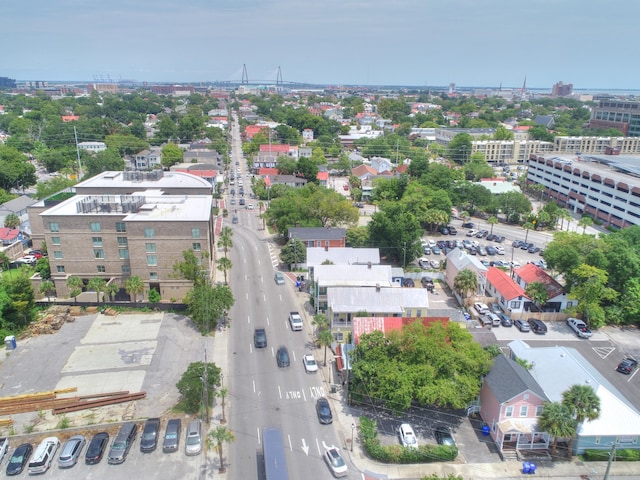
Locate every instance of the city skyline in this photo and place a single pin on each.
(407, 42)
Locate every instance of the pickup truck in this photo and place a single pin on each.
(4, 447)
(579, 327)
(295, 320)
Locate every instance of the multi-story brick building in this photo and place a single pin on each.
(125, 232)
(623, 115)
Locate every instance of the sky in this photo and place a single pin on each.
(484, 43)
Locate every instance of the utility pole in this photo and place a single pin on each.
(612, 456)
(75, 134)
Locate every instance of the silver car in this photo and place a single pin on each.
(71, 451)
(193, 443)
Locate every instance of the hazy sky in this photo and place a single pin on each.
(590, 43)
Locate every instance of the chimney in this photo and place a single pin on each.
(377, 287)
(369, 265)
(326, 248)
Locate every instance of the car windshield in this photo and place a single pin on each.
(17, 458)
(149, 435)
(119, 445)
(336, 460)
(195, 440)
(171, 436)
(309, 361)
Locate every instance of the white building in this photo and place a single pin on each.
(93, 146)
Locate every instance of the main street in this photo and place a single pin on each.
(260, 393)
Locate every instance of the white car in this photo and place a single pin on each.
(499, 250)
(472, 233)
(335, 462)
(481, 308)
(579, 327)
(250, 206)
(28, 259)
(407, 437)
(309, 363)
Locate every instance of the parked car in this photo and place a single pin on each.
(526, 246)
(407, 437)
(495, 319)
(451, 244)
(193, 442)
(408, 282)
(627, 366)
(323, 410)
(499, 250)
(482, 233)
(149, 437)
(121, 445)
(496, 308)
(19, 459)
(279, 278)
(500, 238)
(436, 250)
(533, 249)
(481, 308)
(27, 260)
(71, 451)
(522, 325)
(260, 338)
(472, 233)
(435, 264)
(468, 225)
(43, 456)
(171, 440)
(427, 283)
(505, 320)
(282, 357)
(491, 237)
(491, 250)
(517, 243)
(466, 243)
(309, 362)
(335, 462)
(452, 230)
(444, 230)
(444, 437)
(482, 251)
(537, 326)
(96, 448)
(579, 327)
(426, 250)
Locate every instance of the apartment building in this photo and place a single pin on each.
(607, 187)
(502, 152)
(623, 115)
(126, 232)
(601, 145)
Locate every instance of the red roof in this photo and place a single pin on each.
(323, 176)
(267, 171)
(531, 273)
(401, 168)
(504, 284)
(522, 128)
(279, 148)
(9, 234)
(70, 118)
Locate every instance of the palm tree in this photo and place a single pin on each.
(325, 339)
(527, 226)
(112, 289)
(47, 288)
(583, 401)
(466, 282)
(98, 285)
(321, 322)
(224, 239)
(216, 438)
(492, 220)
(224, 264)
(537, 292)
(12, 221)
(585, 222)
(75, 285)
(222, 393)
(564, 214)
(134, 287)
(557, 421)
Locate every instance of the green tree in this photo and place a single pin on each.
(75, 285)
(134, 286)
(563, 215)
(43, 268)
(111, 289)
(55, 185)
(47, 288)
(466, 283)
(357, 237)
(308, 169)
(537, 291)
(190, 268)
(556, 419)
(459, 149)
(154, 296)
(293, 252)
(225, 239)
(125, 144)
(215, 439)
(592, 292)
(584, 222)
(98, 285)
(171, 155)
(105, 161)
(502, 133)
(206, 304)
(20, 309)
(12, 221)
(396, 231)
(583, 401)
(224, 265)
(492, 220)
(191, 385)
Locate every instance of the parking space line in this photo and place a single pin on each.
(603, 352)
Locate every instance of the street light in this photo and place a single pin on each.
(353, 429)
(224, 418)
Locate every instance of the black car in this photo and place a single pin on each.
(96, 448)
(491, 237)
(444, 437)
(537, 326)
(282, 357)
(408, 282)
(149, 438)
(526, 246)
(444, 230)
(468, 225)
(441, 244)
(491, 250)
(627, 366)
(171, 440)
(500, 238)
(324, 411)
(260, 338)
(19, 459)
(533, 249)
(232, 192)
(505, 320)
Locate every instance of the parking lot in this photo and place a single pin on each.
(97, 354)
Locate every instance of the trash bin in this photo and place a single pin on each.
(485, 429)
(10, 342)
(526, 467)
(532, 468)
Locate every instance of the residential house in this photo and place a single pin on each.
(307, 135)
(558, 300)
(319, 236)
(202, 156)
(17, 206)
(380, 164)
(341, 256)
(556, 369)
(305, 152)
(510, 295)
(289, 180)
(457, 260)
(510, 402)
(323, 178)
(364, 172)
(545, 120)
(93, 147)
(148, 159)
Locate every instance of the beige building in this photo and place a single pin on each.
(121, 234)
(601, 145)
(510, 151)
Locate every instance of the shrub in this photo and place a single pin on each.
(623, 455)
(154, 296)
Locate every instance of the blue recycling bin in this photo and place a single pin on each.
(485, 430)
(532, 468)
(10, 342)
(526, 468)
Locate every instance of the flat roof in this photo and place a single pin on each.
(167, 180)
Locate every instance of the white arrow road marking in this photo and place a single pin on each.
(318, 447)
(327, 447)
(290, 444)
(280, 392)
(305, 447)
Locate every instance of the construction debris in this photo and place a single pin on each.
(51, 321)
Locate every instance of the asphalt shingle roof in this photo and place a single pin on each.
(508, 379)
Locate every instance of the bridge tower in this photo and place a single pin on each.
(279, 79)
(245, 76)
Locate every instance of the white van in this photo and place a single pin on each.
(43, 456)
(495, 319)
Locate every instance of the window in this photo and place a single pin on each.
(60, 268)
(121, 227)
(152, 260)
(55, 240)
(97, 241)
(508, 412)
(53, 226)
(196, 247)
(95, 226)
(101, 269)
(123, 254)
(153, 275)
(98, 253)
(195, 233)
(150, 247)
(539, 410)
(57, 254)
(149, 232)
(123, 242)
(524, 410)
(125, 268)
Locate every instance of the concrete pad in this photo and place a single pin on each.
(110, 356)
(123, 328)
(93, 383)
